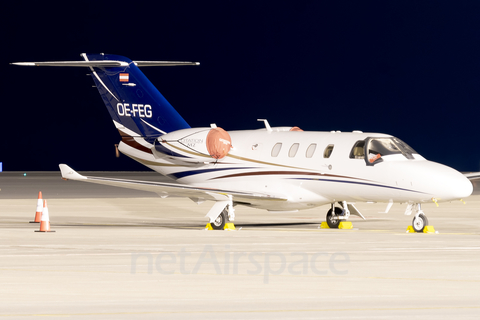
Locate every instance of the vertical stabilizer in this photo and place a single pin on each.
(131, 99)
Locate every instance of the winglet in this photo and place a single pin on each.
(70, 174)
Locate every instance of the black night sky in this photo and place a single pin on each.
(406, 68)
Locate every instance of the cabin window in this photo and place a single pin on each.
(293, 150)
(328, 151)
(311, 150)
(358, 150)
(276, 149)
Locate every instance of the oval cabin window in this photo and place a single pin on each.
(276, 149)
(293, 150)
(311, 150)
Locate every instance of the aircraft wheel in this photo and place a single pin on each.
(332, 221)
(419, 223)
(219, 223)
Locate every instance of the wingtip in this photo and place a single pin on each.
(30, 64)
(69, 174)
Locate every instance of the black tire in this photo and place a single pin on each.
(331, 221)
(219, 223)
(420, 223)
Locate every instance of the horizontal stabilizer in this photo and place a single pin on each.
(131, 99)
(105, 63)
(165, 63)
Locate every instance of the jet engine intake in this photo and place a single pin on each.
(193, 145)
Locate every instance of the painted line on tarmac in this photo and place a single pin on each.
(239, 311)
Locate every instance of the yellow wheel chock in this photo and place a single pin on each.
(324, 225)
(426, 229)
(345, 225)
(228, 226)
(341, 225)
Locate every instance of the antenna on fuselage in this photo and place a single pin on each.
(267, 125)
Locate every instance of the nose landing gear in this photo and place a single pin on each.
(420, 221)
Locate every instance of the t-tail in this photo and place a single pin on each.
(131, 99)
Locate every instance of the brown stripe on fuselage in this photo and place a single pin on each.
(134, 144)
(129, 140)
(263, 173)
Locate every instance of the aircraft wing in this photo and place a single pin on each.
(171, 189)
(472, 175)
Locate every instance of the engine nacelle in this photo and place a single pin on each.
(194, 145)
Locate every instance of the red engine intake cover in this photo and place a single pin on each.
(219, 143)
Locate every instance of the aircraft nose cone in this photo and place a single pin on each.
(453, 184)
(441, 182)
(461, 187)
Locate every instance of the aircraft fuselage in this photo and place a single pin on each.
(309, 169)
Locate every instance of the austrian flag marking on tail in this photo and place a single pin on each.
(123, 77)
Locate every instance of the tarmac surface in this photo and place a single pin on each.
(125, 254)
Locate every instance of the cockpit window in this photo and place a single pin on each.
(372, 150)
(379, 147)
(404, 147)
(358, 150)
(328, 151)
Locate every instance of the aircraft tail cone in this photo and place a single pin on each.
(45, 222)
(38, 214)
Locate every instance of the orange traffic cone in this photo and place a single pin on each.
(38, 214)
(45, 223)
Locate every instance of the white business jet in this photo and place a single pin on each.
(280, 169)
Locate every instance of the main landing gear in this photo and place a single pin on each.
(333, 219)
(219, 223)
(337, 215)
(221, 215)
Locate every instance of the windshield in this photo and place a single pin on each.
(379, 147)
